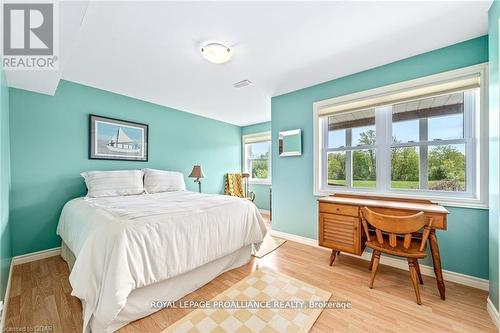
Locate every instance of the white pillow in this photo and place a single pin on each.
(163, 181)
(113, 183)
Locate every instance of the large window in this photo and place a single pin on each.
(420, 138)
(257, 157)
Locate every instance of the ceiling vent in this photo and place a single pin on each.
(242, 84)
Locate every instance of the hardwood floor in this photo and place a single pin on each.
(40, 296)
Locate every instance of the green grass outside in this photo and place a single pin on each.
(396, 184)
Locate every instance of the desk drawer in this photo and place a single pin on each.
(340, 232)
(338, 209)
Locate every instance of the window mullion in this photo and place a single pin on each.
(324, 153)
(471, 151)
(424, 154)
(430, 143)
(360, 147)
(348, 158)
(383, 132)
(245, 158)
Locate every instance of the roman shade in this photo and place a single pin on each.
(402, 95)
(257, 138)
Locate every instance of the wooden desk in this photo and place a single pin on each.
(340, 227)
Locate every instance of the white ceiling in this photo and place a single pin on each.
(150, 50)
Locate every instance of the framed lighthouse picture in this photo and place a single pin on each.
(115, 139)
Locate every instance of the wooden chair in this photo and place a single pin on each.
(395, 235)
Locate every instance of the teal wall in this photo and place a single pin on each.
(5, 244)
(49, 148)
(295, 207)
(261, 190)
(256, 128)
(494, 147)
(262, 195)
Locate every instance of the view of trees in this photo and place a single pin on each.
(336, 168)
(260, 168)
(446, 166)
(363, 164)
(259, 165)
(446, 169)
(363, 161)
(405, 162)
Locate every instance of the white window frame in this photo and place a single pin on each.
(475, 139)
(244, 139)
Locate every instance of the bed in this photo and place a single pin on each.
(126, 252)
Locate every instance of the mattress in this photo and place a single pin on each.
(122, 244)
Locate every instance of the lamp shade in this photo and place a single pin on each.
(197, 172)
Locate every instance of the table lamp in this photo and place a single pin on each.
(198, 174)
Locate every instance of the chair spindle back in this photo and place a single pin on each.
(395, 226)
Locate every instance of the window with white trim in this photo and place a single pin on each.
(257, 157)
(420, 138)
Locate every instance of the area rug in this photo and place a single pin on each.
(269, 244)
(264, 286)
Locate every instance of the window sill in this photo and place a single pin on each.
(259, 182)
(445, 201)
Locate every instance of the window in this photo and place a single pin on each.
(351, 149)
(424, 137)
(257, 157)
(429, 146)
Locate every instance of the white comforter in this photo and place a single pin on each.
(124, 243)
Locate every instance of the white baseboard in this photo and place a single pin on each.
(265, 211)
(24, 258)
(6, 299)
(295, 238)
(493, 312)
(467, 280)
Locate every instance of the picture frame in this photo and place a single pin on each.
(117, 139)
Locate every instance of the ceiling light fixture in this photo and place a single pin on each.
(242, 84)
(216, 53)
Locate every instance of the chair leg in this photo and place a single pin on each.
(376, 259)
(417, 266)
(371, 261)
(413, 276)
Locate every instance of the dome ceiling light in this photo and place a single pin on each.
(216, 53)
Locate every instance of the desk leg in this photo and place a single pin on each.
(436, 260)
(333, 256)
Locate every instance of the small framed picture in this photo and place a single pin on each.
(114, 139)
